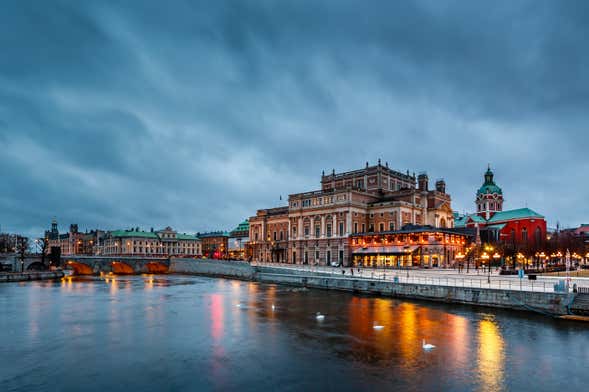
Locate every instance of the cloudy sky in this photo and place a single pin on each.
(195, 114)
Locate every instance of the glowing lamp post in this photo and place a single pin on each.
(460, 257)
(485, 257)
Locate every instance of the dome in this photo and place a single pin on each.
(489, 187)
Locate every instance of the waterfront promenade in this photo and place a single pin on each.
(440, 277)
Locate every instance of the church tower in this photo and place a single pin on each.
(489, 198)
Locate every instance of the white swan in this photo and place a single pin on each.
(427, 346)
(320, 316)
(378, 327)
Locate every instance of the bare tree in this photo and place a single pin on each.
(22, 246)
(42, 244)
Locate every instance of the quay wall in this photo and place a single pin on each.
(215, 268)
(26, 276)
(548, 303)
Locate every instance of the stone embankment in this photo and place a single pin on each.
(549, 303)
(26, 276)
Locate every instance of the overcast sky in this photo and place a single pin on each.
(195, 114)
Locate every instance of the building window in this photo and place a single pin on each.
(328, 257)
(360, 184)
(341, 228)
(341, 256)
(538, 235)
(274, 236)
(328, 229)
(316, 256)
(363, 228)
(391, 225)
(524, 234)
(381, 227)
(306, 230)
(317, 231)
(281, 235)
(355, 227)
(294, 231)
(306, 258)
(294, 257)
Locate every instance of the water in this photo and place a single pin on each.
(151, 333)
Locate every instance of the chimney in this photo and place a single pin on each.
(441, 185)
(422, 182)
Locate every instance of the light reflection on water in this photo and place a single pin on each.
(153, 332)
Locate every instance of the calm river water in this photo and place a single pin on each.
(173, 333)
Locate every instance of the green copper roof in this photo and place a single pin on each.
(243, 226)
(489, 186)
(129, 233)
(520, 213)
(180, 236)
(499, 226)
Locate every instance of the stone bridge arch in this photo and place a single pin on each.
(154, 267)
(80, 268)
(122, 268)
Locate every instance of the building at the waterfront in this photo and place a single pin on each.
(412, 246)
(315, 227)
(215, 244)
(237, 240)
(135, 242)
(518, 230)
(73, 242)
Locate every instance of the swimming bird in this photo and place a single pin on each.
(427, 346)
(320, 316)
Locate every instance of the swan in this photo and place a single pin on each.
(427, 346)
(378, 327)
(320, 316)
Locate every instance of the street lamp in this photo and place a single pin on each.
(485, 257)
(520, 259)
(460, 257)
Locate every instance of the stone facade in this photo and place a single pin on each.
(73, 242)
(315, 226)
(135, 242)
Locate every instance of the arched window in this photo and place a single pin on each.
(513, 236)
(443, 222)
(538, 236)
(524, 234)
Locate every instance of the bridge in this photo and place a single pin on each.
(121, 265)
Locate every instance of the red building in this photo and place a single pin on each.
(520, 230)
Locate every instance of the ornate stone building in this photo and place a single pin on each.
(73, 242)
(315, 226)
(135, 242)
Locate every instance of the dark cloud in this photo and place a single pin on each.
(118, 114)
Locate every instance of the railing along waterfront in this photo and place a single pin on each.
(411, 276)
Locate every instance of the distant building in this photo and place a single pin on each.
(215, 244)
(315, 226)
(73, 242)
(521, 230)
(161, 243)
(238, 238)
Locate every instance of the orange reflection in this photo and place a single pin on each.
(491, 356)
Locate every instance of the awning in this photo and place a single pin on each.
(385, 250)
